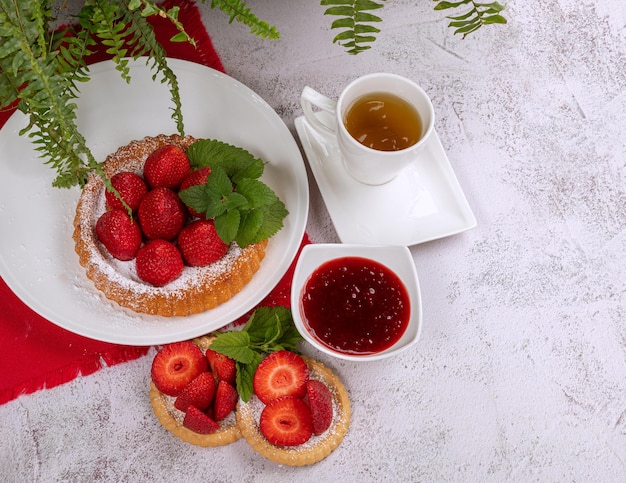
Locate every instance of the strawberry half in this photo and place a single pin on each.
(130, 186)
(120, 235)
(198, 422)
(161, 214)
(159, 262)
(286, 421)
(226, 398)
(320, 401)
(200, 244)
(198, 393)
(194, 178)
(282, 373)
(222, 367)
(176, 365)
(166, 167)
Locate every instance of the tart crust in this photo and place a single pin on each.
(171, 418)
(198, 289)
(318, 447)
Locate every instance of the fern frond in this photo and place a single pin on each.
(122, 26)
(238, 10)
(149, 8)
(32, 73)
(103, 19)
(356, 20)
(143, 41)
(479, 14)
(73, 47)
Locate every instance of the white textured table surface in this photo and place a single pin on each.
(520, 373)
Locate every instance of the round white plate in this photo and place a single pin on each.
(37, 258)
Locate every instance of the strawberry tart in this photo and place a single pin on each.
(298, 414)
(164, 259)
(193, 395)
(300, 411)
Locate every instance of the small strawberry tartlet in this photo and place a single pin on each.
(306, 416)
(298, 414)
(143, 248)
(192, 393)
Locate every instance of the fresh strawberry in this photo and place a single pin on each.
(176, 365)
(223, 367)
(226, 398)
(282, 373)
(320, 401)
(200, 244)
(119, 234)
(130, 186)
(193, 178)
(286, 421)
(198, 393)
(198, 422)
(161, 214)
(159, 262)
(166, 167)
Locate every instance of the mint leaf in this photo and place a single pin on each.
(227, 225)
(256, 192)
(234, 344)
(201, 199)
(249, 226)
(290, 337)
(253, 170)
(235, 160)
(273, 216)
(208, 198)
(245, 376)
(218, 184)
(245, 209)
(234, 200)
(268, 329)
(263, 321)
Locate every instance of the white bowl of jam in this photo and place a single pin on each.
(357, 302)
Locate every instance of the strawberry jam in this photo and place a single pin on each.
(355, 305)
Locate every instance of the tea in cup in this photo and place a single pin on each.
(381, 122)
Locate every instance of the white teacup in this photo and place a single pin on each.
(365, 164)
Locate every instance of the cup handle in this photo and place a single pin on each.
(309, 98)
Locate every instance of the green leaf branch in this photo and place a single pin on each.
(268, 329)
(476, 16)
(356, 19)
(239, 11)
(245, 209)
(41, 69)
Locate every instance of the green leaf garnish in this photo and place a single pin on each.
(236, 345)
(244, 208)
(227, 225)
(268, 329)
(249, 225)
(245, 375)
(476, 15)
(256, 192)
(233, 159)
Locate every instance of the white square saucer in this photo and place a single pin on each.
(424, 203)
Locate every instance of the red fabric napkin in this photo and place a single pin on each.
(37, 354)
